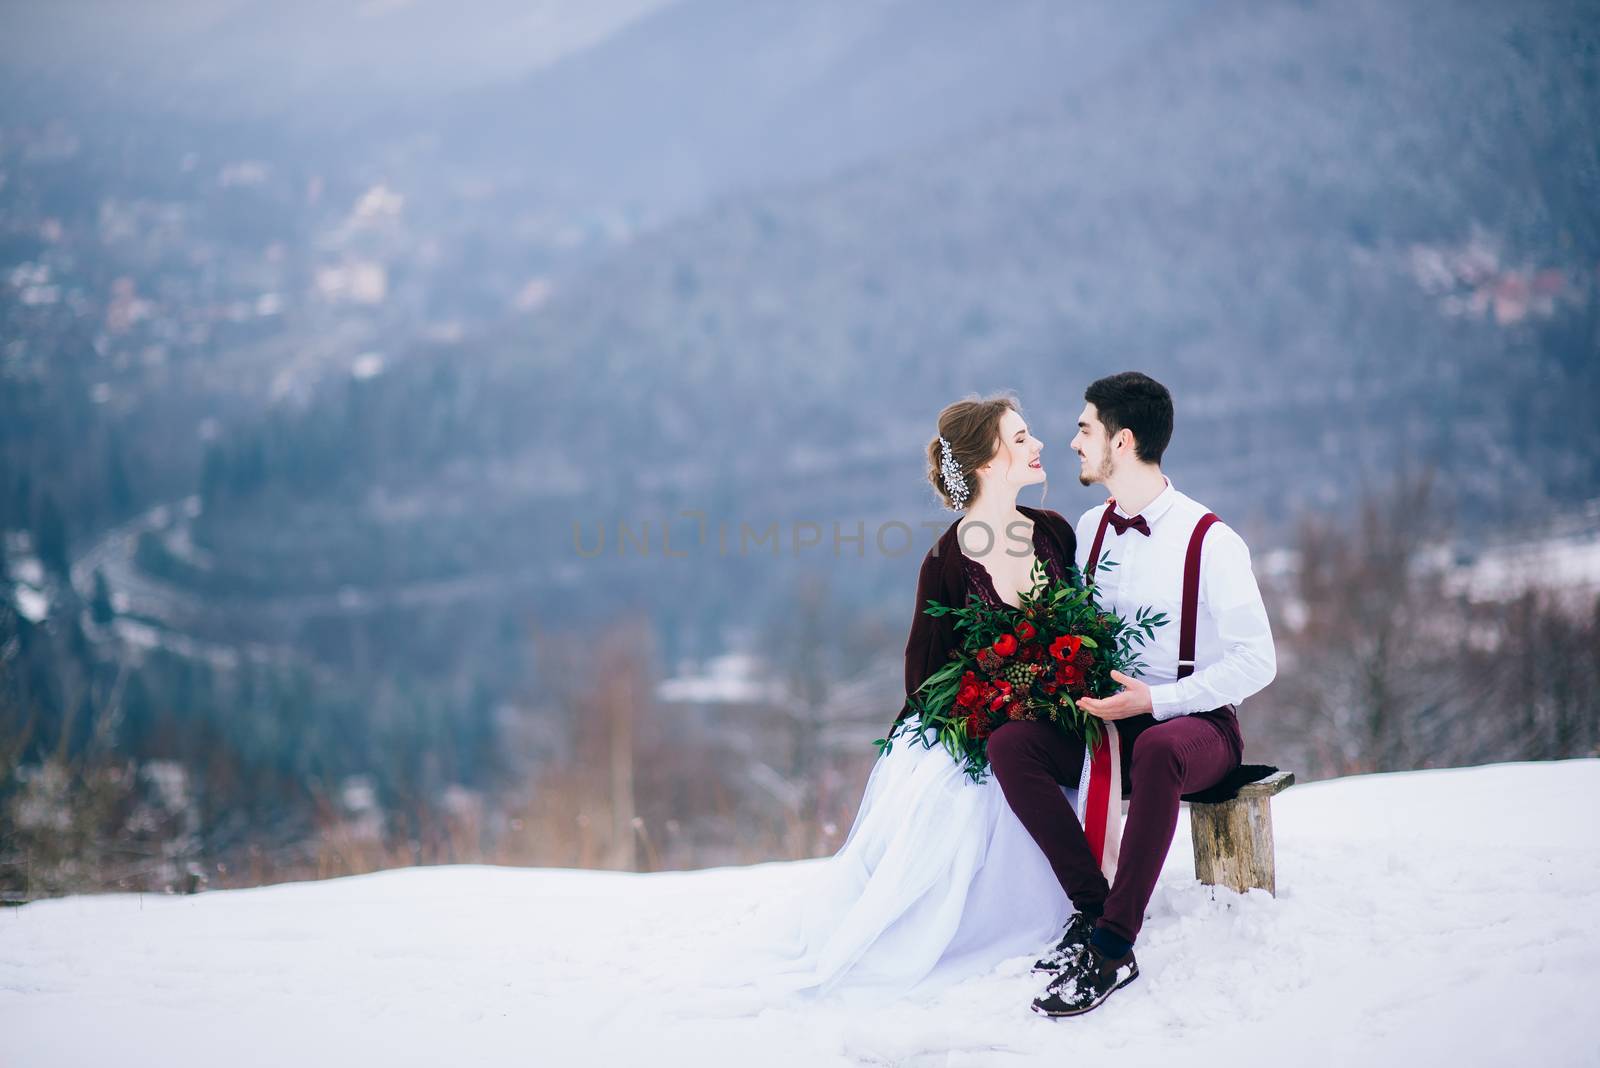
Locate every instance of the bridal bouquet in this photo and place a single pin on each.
(1028, 662)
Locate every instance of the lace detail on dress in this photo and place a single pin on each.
(980, 582)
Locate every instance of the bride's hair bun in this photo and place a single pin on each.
(972, 428)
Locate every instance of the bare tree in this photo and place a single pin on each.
(1386, 664)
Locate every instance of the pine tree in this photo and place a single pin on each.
(100, 608)
(118, 486)
(50, 536)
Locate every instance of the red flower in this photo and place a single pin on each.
(1025, 630)
(1069, 675)
(970, 692)
(1005, 645)
(1066, 647)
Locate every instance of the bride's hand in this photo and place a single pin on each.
(1131, 700)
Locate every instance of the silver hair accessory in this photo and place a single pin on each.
(955, 483)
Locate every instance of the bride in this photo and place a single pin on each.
(937, 879)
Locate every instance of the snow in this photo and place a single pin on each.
(733, 678)
(367, 365)
(1437, 917)
(33, 605)
(1569, 562)
(30, 570)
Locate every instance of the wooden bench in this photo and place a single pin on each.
(1233, 839)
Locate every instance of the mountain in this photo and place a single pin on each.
(298, 61)
(1312, 221)
(1239, 210)
(705, 97)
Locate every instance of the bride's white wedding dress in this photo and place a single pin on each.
(937, 881)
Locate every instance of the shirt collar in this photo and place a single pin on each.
(1157, 507)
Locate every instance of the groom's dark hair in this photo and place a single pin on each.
(1134, 401)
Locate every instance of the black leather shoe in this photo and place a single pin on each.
(1073, 940)
(1085, 982)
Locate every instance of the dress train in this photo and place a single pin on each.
(937, 881)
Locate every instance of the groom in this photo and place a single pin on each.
(1176, 724)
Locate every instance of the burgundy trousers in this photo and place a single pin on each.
(1161, 761)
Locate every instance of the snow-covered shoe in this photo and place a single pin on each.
(1073, 940)
(1085, 982)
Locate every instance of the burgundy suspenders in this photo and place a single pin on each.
(1191, 583)
(1191, 596)
(1099, 536)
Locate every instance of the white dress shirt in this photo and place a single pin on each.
(1233, 651)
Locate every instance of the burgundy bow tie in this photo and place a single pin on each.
(1136, 523)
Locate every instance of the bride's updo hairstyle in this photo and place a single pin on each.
(972, 427)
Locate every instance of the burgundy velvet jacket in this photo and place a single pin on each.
(943, 578)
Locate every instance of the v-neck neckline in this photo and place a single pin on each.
(988, 578)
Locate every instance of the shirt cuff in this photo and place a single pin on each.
(1164, 701)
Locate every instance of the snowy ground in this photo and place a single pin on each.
(1439, 917)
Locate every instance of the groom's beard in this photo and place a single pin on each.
(1099, 476)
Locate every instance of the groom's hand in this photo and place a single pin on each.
(1132, 699)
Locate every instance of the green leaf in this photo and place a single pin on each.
(946, 672)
